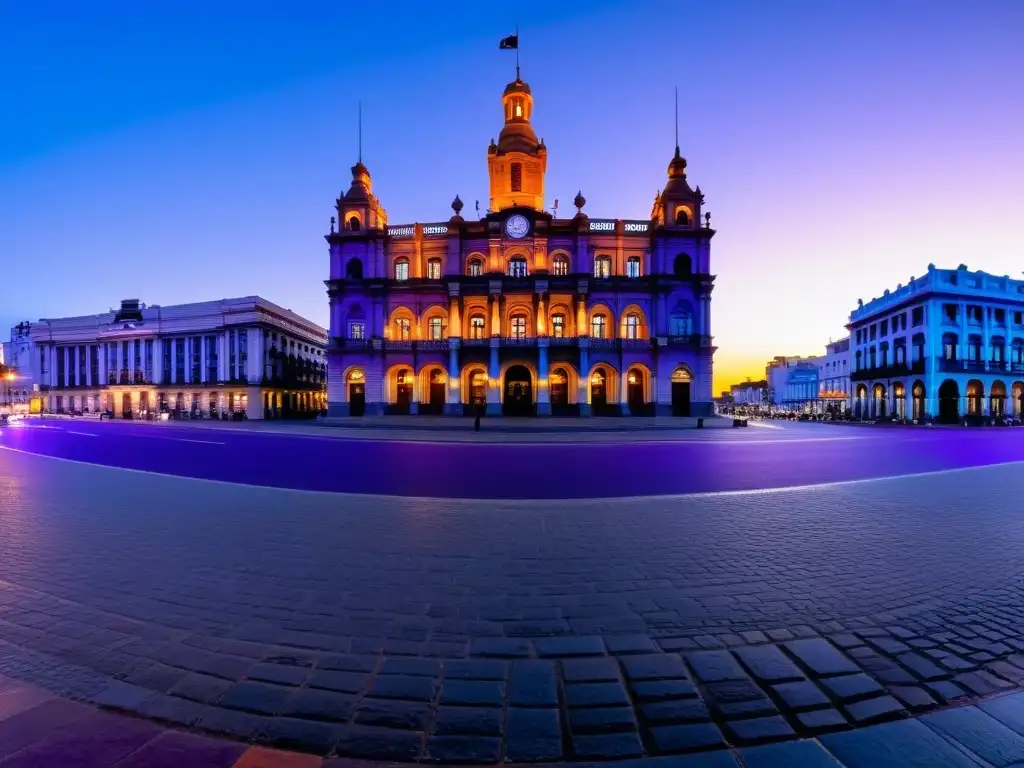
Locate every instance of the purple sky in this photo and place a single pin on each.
(841, 146)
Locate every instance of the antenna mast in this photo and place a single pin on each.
(360, 131)
(677, 118)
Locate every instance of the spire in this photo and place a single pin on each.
(677, 121)
(361, 132)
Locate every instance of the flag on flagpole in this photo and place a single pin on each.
(509, 43)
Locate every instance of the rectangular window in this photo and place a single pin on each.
(558, 326)
(60, 366)
(197, 359)
(519, 327)
(476, 268)
(884, 329)
(476, 327)
(94, 364)
(404, 329)
(42, 360)
(561, 266)
(179, 360)
(435, 330)
(1018, 318)
(434, 269)
(950, 312)
(918, 316)
(633, 267)
(602, 267)
(149, 359)
(243, 354)
(82, 364)
(167, 361)
(597, 326)
(973, 314)
(401, 270)
(211, 359)
(873, 332)
(1000, 316)
(517, 177)
(357, 331)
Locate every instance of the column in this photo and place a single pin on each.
(584, 382)
(156, 374)
(67, 367)
(222, 356)
(188, 359)
(103, 364)
(454, 319)
(495, 315)
(493, 379)
(986, 343)
(203, 360)
(661, 324)
(963, 332)
(453, 403)
(88, 366)
(543, 382)
(582, 329)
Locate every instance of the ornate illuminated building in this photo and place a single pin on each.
(519, 311)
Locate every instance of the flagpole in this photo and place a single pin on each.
(517, 51)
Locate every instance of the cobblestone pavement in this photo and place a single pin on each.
(453, 631)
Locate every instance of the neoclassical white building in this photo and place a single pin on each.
(231, 358)
(834, 376)
(947, 345)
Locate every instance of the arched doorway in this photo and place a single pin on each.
(518, 392)
(681, 380)
(918, 394)
(636, 387)
(126, 405)
(478, 389)
(899, 401)
(435, 392)
(599, 393)
(1018, 398)
(997, 397)
(559, 383)
(878, 401)
(975, 394)
(356, 393)
(403, 390)
(949, 402)
(860, 402)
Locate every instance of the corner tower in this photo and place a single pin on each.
(518, 161)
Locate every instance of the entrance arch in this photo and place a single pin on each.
(918, 394)
(997, 397)
(356, 392)
(403, 390)
(860, 402)
(878, 401)
(681, 381)
(518, 400)
(975, 394)
(899, 401)
(1018, 398)
(949, 402)
(636, 391)
(126, 405)
(558, 381)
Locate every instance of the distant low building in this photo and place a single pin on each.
(750, 393)
(793, 382)
(17, 367)
(834, 376)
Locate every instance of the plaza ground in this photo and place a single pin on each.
(704, 619)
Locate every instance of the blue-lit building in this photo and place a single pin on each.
(944, 346)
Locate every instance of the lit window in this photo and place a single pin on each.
(402, 270)
(519, 327)
(517, 177)
(632, 326)
(435, 329)
(476, 327)
(598, 326)
(560, 265)
(558, 326)
(517, 267)
(403, 328)
(476, 268)
(633, 267)
(357, 331)
(434, 269)
(518, 108)
(602, 266)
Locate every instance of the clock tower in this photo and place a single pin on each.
(518, 161)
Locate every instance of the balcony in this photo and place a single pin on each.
(432, 345)
(338, 342)
(597, 343)
(635, 343)
(519, 341)
(398, 344)
(896, 370)
(688, 341)
(480, 342)
(563, 341)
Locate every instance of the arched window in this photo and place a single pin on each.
(560, 265)
(598, 326)
(433, 269)
(401, 270)
(475, 268)
(602, 266)
(558, 326)
(633, 267)
(354, 269)
(353, 223)
(476, 327)
(632, 326)
(683, 267)
(403, 329)
(682, 217)
(517, 267)
(519, 327)
(435, 329)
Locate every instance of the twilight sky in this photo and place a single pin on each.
(195, 154)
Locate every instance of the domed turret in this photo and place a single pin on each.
(678, 205)
(517, 162)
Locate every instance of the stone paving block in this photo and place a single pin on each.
(759, 729)
(676, 644)
(404, 687)
(874, 710)
(533, 684)
(473, 693)
(801, 695)
(279, 673)
(475, 669)
(596, 695)
(922, 667)
(320, 705)
(888, 645)
(618, 645)
(500, 647)
(687, 738)
(606, 746)
(533, 735)
(914, 697)
(602, 720)
(302, 735)
(244, 726)
(99, 739)
(653, 667)
(155, 676)
(590, 670)
(979, 684)
(201, 688)
(453, 750)
(675, 711)
(175, 749)
(946, 690)
(411, 666)
(906, 744)
(391, 713)
(1009, 710)
(851, 687)
(981, 734)
(258, 698)
(715, 666)
(658, 690)
(818, 720)
(821, 657)
(345, 682)
(379, 743)
(469, 721)
(565, 647)
(739, 698)
(845, 640)
(793, 754)
(172, 710)
(768, 663)
(265, 757)
(348, 663)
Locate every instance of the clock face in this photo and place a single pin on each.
(516, 226)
